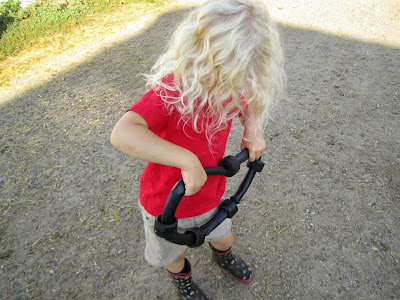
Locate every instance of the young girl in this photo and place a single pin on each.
(224, 61)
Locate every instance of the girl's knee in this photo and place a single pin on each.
(223, 243)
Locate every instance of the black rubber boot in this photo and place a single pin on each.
(237, 268)
(186, 287)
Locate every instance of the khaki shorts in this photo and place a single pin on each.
(160, 252)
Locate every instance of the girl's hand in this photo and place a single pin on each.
(194, 177)
(255, 144)
(253, 138)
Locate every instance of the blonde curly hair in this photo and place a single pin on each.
(224, 52)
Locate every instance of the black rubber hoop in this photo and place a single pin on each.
(166, 223)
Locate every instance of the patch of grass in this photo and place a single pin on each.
(8, 13)
(22, 27)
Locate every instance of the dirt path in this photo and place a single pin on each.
(320, 222)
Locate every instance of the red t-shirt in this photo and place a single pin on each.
(157, 180)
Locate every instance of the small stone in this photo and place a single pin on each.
(6, 254)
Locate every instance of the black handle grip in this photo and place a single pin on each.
(231, 164)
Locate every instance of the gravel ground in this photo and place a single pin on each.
(320, 222)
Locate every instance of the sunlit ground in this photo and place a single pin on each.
(374, 21)
(37, 66)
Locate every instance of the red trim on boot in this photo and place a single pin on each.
(182, 275)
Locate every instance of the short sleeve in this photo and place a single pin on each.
(152, 109)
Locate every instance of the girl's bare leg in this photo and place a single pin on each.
(177, 265)
(223, 244)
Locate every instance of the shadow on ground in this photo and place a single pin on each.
(320, 222)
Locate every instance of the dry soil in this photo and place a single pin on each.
(320, 222)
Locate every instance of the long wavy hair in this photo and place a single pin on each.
(224, 57)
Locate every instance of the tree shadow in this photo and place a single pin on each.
(71, 226)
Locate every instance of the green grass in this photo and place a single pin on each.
(22, 27)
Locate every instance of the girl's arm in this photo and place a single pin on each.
(132, 136)
(253, 138)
